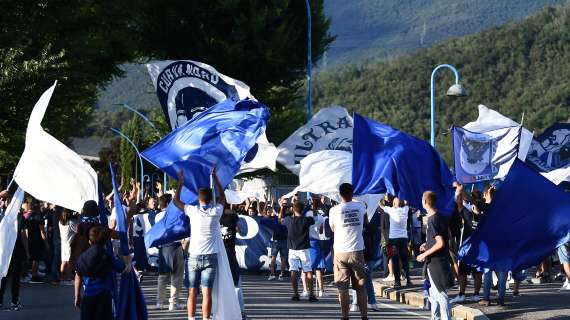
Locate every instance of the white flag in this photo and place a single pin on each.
(557, 176)
(186, 88)
(50, 171)
(329, 129)
(490, 120)
(9, 232)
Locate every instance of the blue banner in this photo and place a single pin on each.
(527, 220)
(551, 150)
(388, 160)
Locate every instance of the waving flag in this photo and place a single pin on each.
(551, 150)
(527, 220)
(186, 88)
(50, 171)
(131, 304)
(218, 138)
(9, 231)
(121, 214)
(387, 160)
(484, 156)
(329, 129)
(174, 226)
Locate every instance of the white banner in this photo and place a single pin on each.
(9, 232)
(329, 129)
(50, 171)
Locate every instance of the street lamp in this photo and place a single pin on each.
(147, 120)
(309, 62)
(138, 154)
(456, 90)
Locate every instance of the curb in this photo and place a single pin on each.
(416, 299)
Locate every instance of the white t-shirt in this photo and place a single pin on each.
(347, 220)
(204, 228)
(315, 230)
(113, 215)
(398, 222)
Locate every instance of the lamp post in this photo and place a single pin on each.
(309, 62)
(122, 135)
(456, 90)
(147, 120)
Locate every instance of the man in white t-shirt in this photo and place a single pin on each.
(203, 252)
(316, 252)
(398, 239)
(347, 221)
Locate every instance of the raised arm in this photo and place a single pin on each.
(219, 189)
(177, 202)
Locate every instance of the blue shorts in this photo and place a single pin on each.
(279, 247)
(318, 252)
(564, 253)
(201, 271)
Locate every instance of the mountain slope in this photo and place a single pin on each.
(387, 28)
(522, 67)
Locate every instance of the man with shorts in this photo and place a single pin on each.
(203, 252)
(318, 244)
(278, 242)
(347, 221)
(298, 243)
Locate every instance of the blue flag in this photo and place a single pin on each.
(220, 137)
(528, 218)
(120, 212)
(388, 160)
(174, 226)
(131, 304)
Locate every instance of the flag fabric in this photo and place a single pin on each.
(527, 220)
(558, 176)
(174, 226)
(131, 304)
(323, 172)
(551, 150)
(386, 160)
(484, 156)
(9, 231)
(121, 215)
(329, 129)
(218, 138)
(489, 120)
(186, 88)
(50, 171)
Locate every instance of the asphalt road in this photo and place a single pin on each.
(263, 299)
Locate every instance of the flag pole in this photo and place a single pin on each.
(522, 119)
(213, 187)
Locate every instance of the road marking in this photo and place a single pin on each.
(404, 311)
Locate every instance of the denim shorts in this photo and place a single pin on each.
(564, 253)
(201, 271)
(279, 247)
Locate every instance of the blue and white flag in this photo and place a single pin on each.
(9, 231)
(220, 138)
(551, 150)
(527, 220)
(186, 88)
(386, 160)
(484, 156)
(121, 215)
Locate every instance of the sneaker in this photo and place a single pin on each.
(26, 279)
(295, 297)
(353, 307)
(458, 299)
(172, 307)
(373, 307)
(321, 293)
(312, 298)
(16, 306)
(271, 277)
(560, 276)
(474, 298)
(159, 306)
(501, 302)
(484, 303)
(388, 279)
(304, 294)
(281, 277)
(36, 280)
(140, 276)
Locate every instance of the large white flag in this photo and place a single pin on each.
(50, 171)
(329, 129)
(490, 120)
(186, 88)
(9, 232)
